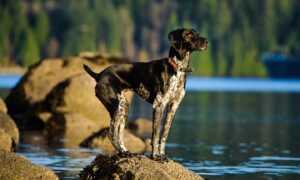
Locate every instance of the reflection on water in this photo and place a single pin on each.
(66, 162)
(237, 135)
(218, 135)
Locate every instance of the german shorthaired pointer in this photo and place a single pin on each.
(160, 82)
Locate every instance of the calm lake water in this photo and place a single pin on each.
(233, 129)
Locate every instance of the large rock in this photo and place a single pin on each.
(76, 95)
(3, 107)
(5, 141)
(65, 85)
(137, 167)
(9, 127)
(101, 140)
(9, 133)
(14, 166)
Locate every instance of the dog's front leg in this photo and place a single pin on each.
(157, 115)
(169, 118)
(172, 108)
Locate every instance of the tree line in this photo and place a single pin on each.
(238, 31)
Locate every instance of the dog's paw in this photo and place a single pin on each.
(126, 154)
(160, 158)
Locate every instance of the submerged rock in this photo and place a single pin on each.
(136, 167)
(14, 166)
(101, 140)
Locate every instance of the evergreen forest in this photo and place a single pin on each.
(239, 31)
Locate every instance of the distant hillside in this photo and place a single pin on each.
(238, 31)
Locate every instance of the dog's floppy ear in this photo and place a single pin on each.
(175, 38)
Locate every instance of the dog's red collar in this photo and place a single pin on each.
(173, 64)
(175, 67)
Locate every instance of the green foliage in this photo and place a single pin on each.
(29, 50)
(127, 42)
(82, 34)
(202, 63)
(4, 37)
(238, 31)
(223, 20)
(108, 26)
(172, 23)
(42, 28)
(237, 55)
(221, 68)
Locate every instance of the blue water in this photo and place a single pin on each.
(224, 129)
(242, 84)
(211, 84)
(9, 80)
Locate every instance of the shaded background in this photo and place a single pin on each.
(238, 31)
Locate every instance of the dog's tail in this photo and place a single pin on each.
(90, 72)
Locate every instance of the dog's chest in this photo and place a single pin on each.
(176, 83)
(174, 89)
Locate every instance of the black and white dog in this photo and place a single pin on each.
(160, 82)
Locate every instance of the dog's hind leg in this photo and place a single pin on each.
(117, 105)
(117, 125)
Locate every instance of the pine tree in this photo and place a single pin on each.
(268, 22)
(29, 53)
(237, 55)
(42, 28)
(81, 36)
(127, 41)
(221, 65)
(4, 36)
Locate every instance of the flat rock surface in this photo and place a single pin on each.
(136, 167)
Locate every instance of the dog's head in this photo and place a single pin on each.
(187, 40)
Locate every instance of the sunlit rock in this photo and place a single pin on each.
(3, 107)
(5, 141)
(136, 167)
(15, 166)
(58, 86)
